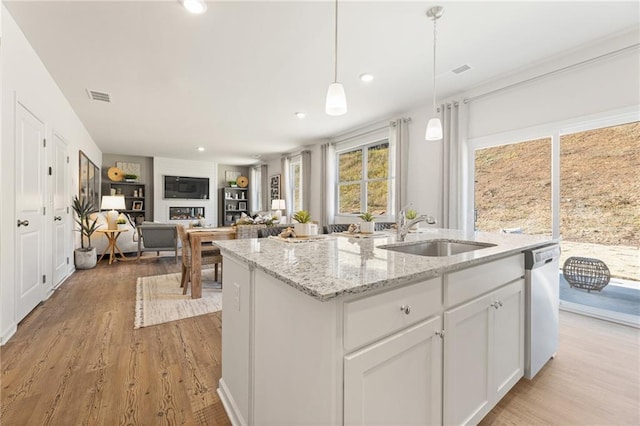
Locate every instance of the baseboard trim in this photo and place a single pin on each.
(7, 334)
(229, 405)
(624, 319)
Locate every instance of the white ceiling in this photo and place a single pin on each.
(231, 80)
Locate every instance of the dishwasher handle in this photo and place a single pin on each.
(541, 256)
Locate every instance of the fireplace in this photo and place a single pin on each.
(186, 213)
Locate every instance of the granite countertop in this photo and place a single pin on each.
(329, 267)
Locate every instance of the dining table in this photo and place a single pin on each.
(196, 237)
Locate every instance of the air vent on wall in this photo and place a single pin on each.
(461, 69)
(98, 96)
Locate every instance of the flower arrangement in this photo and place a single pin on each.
(121, 221)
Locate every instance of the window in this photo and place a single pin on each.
(295, 171)
(513, 187)
(364, 180)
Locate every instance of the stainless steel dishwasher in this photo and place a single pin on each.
(542, 280)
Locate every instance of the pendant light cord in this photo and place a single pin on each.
(434, 63)
(335, 49)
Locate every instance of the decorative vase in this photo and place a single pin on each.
(122, 226)
(302, 229)
(85, 259)
(367, 227)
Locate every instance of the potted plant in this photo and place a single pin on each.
(233, 184)
(130, 177)
(85, 257)
(303, 227)
(121, 222)
(411, 214)
(368, 225)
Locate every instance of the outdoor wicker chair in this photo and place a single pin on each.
(586, 273)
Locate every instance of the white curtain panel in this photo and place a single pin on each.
(452, 157)
(264, 187)
(285, 192)
(328, 184)
(399, 150)
(306, 180)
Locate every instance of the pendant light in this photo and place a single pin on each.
(336, 99)
(434, 127)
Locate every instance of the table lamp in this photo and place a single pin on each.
(278, 206)
(112, 203)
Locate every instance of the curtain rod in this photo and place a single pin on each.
(368, 132)
(550, 73)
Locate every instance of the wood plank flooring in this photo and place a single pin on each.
(76, 360)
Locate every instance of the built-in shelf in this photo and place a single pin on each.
(234, 201)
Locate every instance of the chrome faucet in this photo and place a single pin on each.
(404, 224)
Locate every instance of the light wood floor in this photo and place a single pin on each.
(76, 359)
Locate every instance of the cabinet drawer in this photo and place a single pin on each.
(373, 317)
(464, 285)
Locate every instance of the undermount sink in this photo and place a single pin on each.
(437, 248)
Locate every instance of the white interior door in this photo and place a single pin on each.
(30, 172)
(61, 217)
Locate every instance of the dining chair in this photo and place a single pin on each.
(210, 256)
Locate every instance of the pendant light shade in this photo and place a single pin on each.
(434, 126)
(336, 100)
(434, 130)
(336, 103)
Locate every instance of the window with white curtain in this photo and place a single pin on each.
(364, 181)
(295, 173)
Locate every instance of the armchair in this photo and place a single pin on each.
(157, 237)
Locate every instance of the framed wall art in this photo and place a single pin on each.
(274, 188)
(89, 181)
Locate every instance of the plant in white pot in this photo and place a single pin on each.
(302, 227)
(121, 222)
(85, 257)
(368, 224)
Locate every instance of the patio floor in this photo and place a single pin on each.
(616, 298)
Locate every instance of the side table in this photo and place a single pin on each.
(112, 235)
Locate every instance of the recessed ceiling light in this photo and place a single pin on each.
(300, 114)
(195, 6)
(366, 77)
(200, 148)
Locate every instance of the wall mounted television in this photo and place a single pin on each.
(187, 188)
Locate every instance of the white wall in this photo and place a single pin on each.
(607, 84)
(25, 78)
(173, 167)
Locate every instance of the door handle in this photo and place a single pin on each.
(23, 223)
(57, 218)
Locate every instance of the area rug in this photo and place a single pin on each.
(159, 299)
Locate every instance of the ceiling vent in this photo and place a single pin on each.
(461, 69)
(99, 96)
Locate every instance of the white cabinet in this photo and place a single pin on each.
(484, 353)
(396, 381)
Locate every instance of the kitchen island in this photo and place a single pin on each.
(342, 330)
